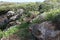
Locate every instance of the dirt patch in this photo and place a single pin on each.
(11, 37)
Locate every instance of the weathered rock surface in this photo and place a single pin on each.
(45, 31)
(10, 18)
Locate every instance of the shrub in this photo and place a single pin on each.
(52, 14)
(45, 7)
(48, 16)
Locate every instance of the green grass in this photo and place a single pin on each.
(1, 34)
(14, 29)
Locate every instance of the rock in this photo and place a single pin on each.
(20, 11)
(10, 13)
(3, 22)
(45, 31)
(26, 19)
(15, 16)
(13, 23)
(10, 19)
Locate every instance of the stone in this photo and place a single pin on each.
(20, 11)
(10, 13)
(45, 31)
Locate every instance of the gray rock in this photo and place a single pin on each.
(10, 13)
(3, 22)
(44, 31)
(20, 11)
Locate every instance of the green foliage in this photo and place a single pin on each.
(34, 12)
(1, 34)
(15, 29)
(30, 9)
(27, 7)
(45, 7)
(24, 34)
(52, 14)
(54, 1)
(10, 31)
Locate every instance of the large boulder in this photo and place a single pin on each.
(45, 31)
